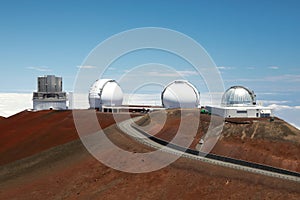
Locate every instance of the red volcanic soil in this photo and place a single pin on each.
(28, 133)
(2, 119)
(69, 172)
(273, 143)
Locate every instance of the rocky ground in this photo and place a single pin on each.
(61, 168)
(274, 143)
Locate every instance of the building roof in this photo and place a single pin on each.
(107, 91)
(238, 96)
(180, 94)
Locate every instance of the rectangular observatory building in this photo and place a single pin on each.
(49, 95)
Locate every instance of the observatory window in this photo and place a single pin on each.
(265, 114)
(241, 111)
(50, 95)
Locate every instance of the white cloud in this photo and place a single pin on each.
(267, 93)
(188, 73)
(273, 67)
(172, 74)
(12, 103)
(270, 102)
(225, 68)
(80, 100)
(112, 68)
(288, 113)
(87, 67)
(244, 80)
(211, 98)
(283, 78)
(40, 68)
(251, 68)
(280, 107)
(142, 99)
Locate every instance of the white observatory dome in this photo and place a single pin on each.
(180, 94)
(105, 92)
(238, 96)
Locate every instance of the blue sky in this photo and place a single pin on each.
(254, 43)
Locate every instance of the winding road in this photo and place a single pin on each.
(129, 128)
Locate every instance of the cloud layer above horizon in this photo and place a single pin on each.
(12, 103)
